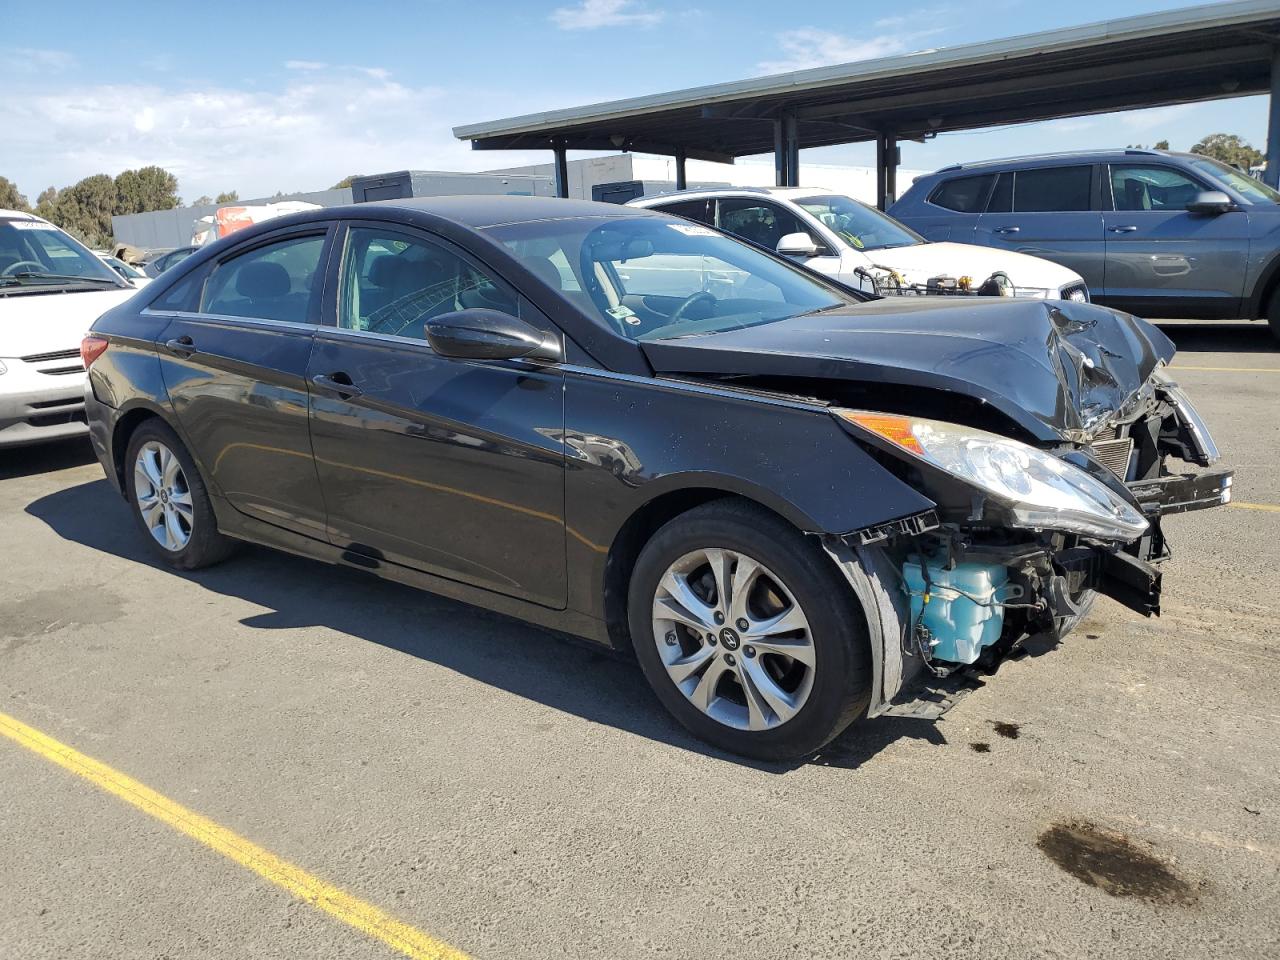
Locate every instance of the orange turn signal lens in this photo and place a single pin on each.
(895, 429)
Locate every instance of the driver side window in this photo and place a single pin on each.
(393, 283)
(758, 221)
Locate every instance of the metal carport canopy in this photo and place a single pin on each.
(1197, 53)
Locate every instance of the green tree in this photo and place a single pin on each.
(144, 189)
(201, 201)
(228, 196)
(345, 181)
(84, 210)
(10, 198)
(1161, 145)
(1229, 148)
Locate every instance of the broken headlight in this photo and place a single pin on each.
(1039, 490)
(1190, 419)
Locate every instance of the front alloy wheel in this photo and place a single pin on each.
(733, 639)
(163, 495)
(748, 632)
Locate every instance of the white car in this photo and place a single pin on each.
(52, 289)
(862, 247)
(137, 279)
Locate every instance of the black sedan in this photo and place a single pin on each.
(788, 500)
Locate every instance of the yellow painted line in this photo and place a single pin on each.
(1178, 366)
(365, 917)
(1269, 507)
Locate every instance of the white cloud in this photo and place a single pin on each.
(806, 47)
(304, 65)
(594, 14)
(32, 60)
(305, 134)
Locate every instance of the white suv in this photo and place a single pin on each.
(862, 247)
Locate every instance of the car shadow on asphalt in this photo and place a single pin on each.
(44, 458)
(575, 677)
(1224, 337)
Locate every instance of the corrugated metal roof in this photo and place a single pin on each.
(1197, 53)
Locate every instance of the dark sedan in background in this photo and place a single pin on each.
(788, 499)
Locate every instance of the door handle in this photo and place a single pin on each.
(1008, 230)
(1125, 229)
(182, 346)
(339, 383)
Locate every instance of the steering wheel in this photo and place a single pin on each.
(678, 315)
(13, 268)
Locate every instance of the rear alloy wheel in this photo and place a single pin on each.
(748, 632)
(169, 498)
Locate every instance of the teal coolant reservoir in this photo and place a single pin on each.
(960, 608)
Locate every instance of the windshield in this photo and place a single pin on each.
(36, 252)
(1255, 191)
(860, 226)
(652, 278)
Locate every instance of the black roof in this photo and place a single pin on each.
(491, 210)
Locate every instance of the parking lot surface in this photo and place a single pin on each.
(514, 795)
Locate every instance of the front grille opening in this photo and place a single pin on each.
(55, 355)
(63, 371)
(45, 404)
(57, 419)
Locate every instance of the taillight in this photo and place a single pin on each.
(91, 348)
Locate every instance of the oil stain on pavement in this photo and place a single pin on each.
(1007, 730)
(1113, 863)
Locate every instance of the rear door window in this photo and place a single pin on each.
(1053, 190)
(275, 281)
(963, 194)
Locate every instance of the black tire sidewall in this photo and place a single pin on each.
(206, 546)
(837, 623)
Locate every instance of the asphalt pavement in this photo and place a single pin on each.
(514, 795)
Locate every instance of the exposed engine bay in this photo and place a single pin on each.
(974, 580)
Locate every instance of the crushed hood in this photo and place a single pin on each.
(1056, 368)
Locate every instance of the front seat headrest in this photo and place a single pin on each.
(263, 281)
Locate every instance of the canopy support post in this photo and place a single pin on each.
(1271, 176)
(887, 158)
(562, 169)
(682, 181)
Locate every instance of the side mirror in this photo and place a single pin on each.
(482, 334)
(797, 245)
(1211, 202)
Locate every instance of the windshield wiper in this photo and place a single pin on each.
(29, 275)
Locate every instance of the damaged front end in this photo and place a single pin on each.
(1024, 536)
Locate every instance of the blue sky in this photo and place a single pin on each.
(266, 96)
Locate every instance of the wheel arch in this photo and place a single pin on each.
(1265, 288)
(126, 424)
(675, 497)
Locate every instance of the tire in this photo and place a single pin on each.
(170, 502)
(755, 700)
(1273, 315)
